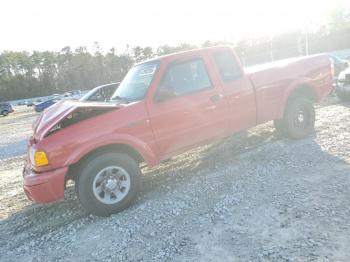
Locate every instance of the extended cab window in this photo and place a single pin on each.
(228, 66)
(185, 78)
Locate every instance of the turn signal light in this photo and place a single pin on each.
(40, 158)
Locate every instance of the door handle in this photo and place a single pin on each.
(216, 98)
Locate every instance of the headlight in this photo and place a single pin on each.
(40, 158)
(341, 79)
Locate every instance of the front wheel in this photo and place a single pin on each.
(108, 183)
(299, 118)
(5, 113)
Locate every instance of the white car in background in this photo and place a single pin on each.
(74, 94)
(101, 93)
(343, 85)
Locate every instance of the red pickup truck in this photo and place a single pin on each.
(164, 107)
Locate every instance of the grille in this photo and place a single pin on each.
(346, 80)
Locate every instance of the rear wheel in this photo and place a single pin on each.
(299, 118)
(108, 183)
(5, 113)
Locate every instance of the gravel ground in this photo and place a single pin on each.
(255, 196)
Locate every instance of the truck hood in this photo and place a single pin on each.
(53, 115)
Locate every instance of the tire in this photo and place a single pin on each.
(299, 118)
(343, 96)
(108, 183)
(5, 113)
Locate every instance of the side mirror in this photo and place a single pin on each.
(164, 93)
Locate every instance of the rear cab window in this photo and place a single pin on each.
(228, 66)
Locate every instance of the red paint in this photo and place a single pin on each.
(160, 130)
(45, 187)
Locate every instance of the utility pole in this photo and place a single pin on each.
(271, 53)
(243, 59)
(307, 43)
(307, 40)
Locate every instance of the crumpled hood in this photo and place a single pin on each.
(57, 112)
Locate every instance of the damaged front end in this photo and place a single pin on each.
(67, 113)
(46, 167)
(76, 116)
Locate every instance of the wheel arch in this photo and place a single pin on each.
(74, 168)
(304, 89)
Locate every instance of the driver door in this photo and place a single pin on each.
(192, 111)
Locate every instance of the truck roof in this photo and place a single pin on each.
(185, 53)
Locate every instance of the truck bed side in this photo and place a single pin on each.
(274, 82)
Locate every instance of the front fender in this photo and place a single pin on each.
(121, 139)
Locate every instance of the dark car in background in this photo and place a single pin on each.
(29, 103)
(101, 93)
(5, 108)
(43, 105)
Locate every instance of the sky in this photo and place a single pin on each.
(52, 25)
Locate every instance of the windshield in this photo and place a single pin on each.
(88, 94)
(136, 82)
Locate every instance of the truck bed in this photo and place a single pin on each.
(272, 82)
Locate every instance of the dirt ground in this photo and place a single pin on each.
(254, 196)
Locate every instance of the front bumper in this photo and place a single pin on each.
(44, 187)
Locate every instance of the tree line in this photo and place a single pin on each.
(25, 74)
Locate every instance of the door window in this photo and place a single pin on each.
(184, 78)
